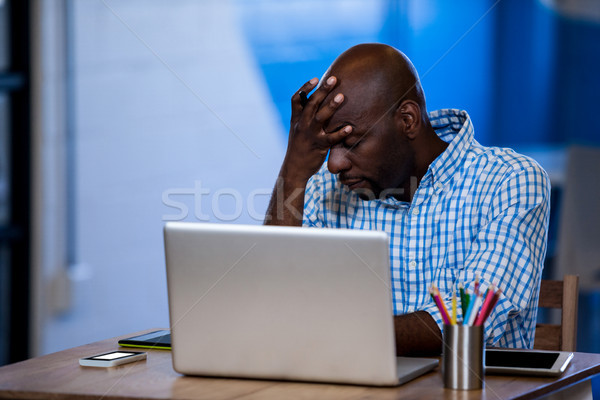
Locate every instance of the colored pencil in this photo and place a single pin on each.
(440, 304)
(473, 313)
(453, 307)
(464, 301)
(484, 314)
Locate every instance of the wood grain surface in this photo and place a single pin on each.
(59, 376)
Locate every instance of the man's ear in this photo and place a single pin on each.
(408, 118)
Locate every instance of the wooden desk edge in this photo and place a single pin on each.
(564, 380)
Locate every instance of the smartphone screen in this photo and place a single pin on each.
(113, 356)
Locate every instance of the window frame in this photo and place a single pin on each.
(16, 234)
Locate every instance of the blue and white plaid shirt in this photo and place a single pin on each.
(478, 211)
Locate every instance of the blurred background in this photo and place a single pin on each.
(116, 116)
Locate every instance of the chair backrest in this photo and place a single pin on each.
(561, 295)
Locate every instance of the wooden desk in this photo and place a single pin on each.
(59, 376)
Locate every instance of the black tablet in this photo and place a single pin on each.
(153, 340)
(526, 362)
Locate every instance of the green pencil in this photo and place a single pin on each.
(464, 299)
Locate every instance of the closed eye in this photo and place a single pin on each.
(351, 144)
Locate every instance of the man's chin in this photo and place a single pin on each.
(362, 188)
(366, 194)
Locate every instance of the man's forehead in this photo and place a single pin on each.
(356, 109)
(357, 118)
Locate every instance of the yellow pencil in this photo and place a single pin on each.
(453, 307)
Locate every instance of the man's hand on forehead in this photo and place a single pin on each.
(308, 141)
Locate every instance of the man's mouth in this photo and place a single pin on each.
(352, 183)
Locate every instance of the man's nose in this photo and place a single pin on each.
(338, 160)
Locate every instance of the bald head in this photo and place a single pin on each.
(377, 75)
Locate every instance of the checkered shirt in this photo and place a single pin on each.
(478, 211)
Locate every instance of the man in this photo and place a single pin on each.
(455, 211)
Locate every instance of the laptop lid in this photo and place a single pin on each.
(280, 303)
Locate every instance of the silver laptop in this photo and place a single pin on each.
(287, 303)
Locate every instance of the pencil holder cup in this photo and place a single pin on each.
(463, 357)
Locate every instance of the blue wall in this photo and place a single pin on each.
(526, 75)
(578, 81)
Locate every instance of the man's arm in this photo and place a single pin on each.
(287, 201)
(417, 334)
(308, 145)
(508, 251)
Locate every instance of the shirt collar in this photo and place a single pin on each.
(454, 127)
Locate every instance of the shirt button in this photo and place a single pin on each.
(415, 211)
(412, 264)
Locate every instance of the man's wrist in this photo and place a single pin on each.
(287, 202)
(417, 334)
(293, 177)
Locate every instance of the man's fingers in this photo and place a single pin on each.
(306, 89)
(332, 138)
(300, 104)
(319, 95)
(327, 110)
